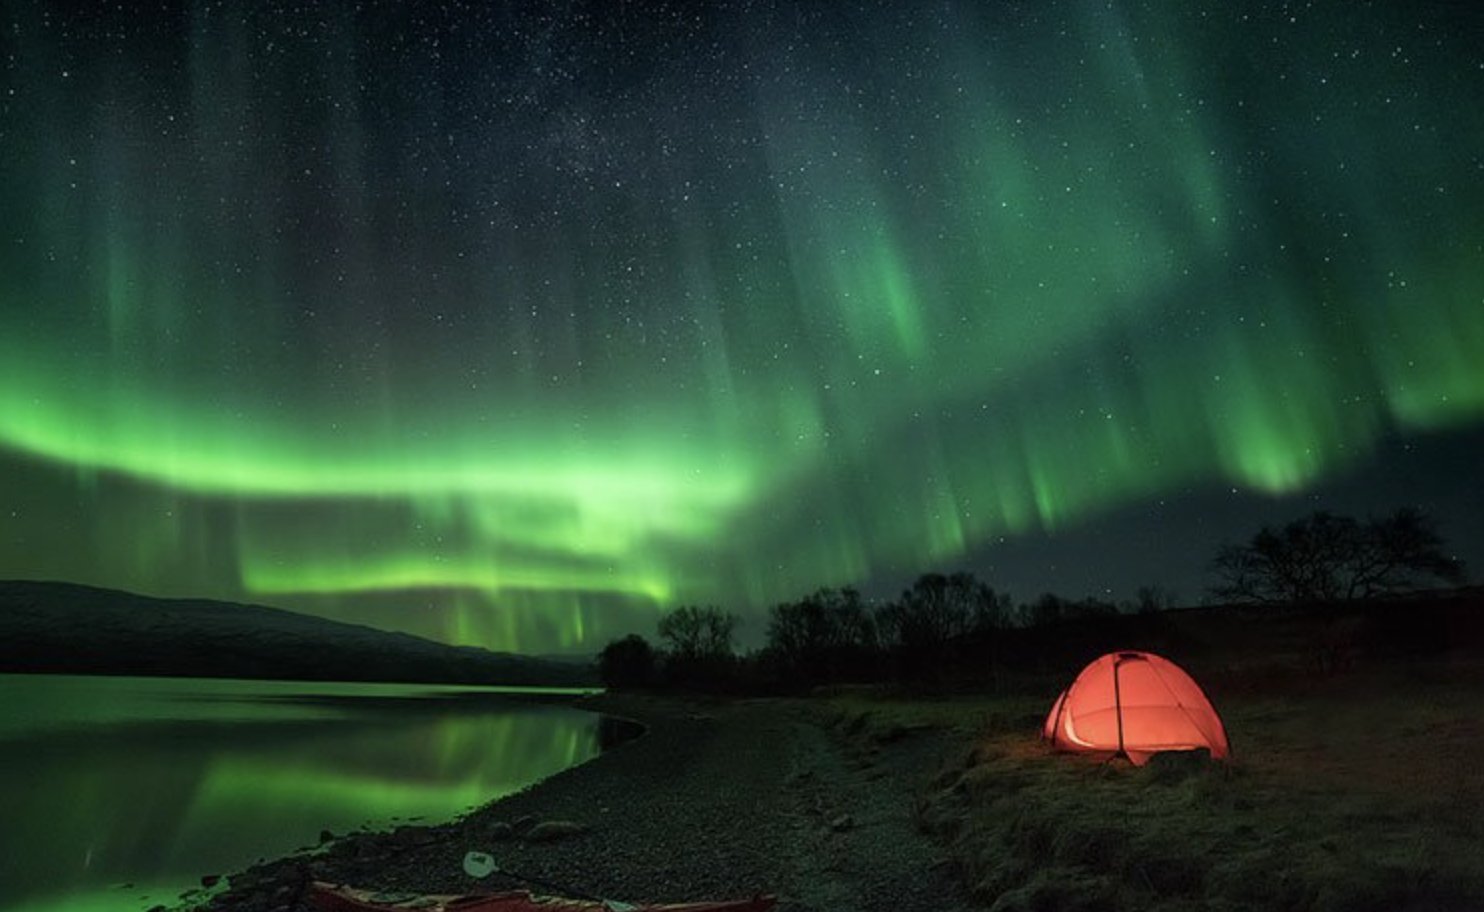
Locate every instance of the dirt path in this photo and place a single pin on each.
(859, 846)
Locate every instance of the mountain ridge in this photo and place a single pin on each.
(73, 628)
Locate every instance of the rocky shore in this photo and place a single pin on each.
(723, 799)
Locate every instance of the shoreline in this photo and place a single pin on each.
(714, 799)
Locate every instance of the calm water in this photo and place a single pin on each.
(153, 782)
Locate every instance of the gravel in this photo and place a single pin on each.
(716, 800)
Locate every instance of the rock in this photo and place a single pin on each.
(523, 823)
(842, 823)
(210, 880)
(499, 831)
(552, 830)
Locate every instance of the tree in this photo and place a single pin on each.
(695, 633)
(1402, 553)
(937, 611)
(1329, 558)
(827, 635)
(627, 663)
(699, 654)
(1150, 599)
(1051, 608)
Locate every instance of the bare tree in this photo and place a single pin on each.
(1150, 599)
(1402, 552)
(693, 632)
(823, 636)
(1051, 608)
(1328, 558)
(938, 610)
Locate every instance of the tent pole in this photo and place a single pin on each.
(1118, 706)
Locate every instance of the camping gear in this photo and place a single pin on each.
(1134, 704)
(331, 898)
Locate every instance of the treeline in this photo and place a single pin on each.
(955, 628)
(941, 628)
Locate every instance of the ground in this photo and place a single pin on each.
(1347, 792)
(717, 799)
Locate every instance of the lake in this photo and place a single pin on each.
(120, 793)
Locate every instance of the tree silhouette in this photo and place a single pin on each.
(1329, 558)
(1051, 608)
(827, 635)
(1149, 599)
(937, 611)
(628, 662)
(700, 647)
(693, 632)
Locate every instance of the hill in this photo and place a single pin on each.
(66, 628)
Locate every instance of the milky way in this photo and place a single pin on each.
(519, 327)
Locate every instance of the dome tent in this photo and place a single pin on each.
(1135, 704)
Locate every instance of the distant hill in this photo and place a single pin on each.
(568, 658)
(67, 628)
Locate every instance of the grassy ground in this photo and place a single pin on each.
(1351, 792)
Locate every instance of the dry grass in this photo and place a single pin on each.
(1355, 794)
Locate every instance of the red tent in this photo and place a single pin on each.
(1135, 704)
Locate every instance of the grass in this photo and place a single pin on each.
(1348, 794)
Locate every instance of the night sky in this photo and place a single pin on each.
(518, 326)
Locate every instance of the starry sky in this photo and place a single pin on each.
(518, 324)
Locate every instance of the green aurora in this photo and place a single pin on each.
(525, 341)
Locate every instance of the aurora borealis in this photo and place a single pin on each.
(518, 326)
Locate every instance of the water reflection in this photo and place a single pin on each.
(153, 782)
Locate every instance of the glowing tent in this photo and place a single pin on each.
(1135, 704)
